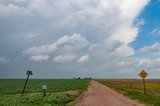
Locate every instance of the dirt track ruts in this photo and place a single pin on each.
(100, 95)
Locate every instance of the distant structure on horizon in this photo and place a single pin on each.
(79, 78)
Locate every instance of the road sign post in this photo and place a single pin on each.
(44, 87)
(144, 85)
(143, 74)
(28, 73)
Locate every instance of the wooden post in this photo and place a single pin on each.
(44, 92)
(144, 85)
(44, 87)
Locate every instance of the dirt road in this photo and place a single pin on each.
(100, 95)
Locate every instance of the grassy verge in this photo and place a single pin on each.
(133, 93)
(36, 99)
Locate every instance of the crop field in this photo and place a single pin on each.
(10, 91)
(134, 89)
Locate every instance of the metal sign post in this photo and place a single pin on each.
(28, 73)
(143, 75)
(44, 87)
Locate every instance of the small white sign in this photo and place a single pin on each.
(44, 87)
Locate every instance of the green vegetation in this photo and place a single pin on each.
(10, 91)
(35, 85)
(36, 99)
(134, 89)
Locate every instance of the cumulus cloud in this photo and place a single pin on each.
(103, 30)
(38, 6)
(123, 51)
(40, 49)
(12, 10)
(109, 36)
(39, 57)
(135, 64)
(64, 58)
(66, 44)
(3, 60)
(154, 48)
(74, 42)
(150, 63)
(83, 59)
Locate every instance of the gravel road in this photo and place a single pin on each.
(100, 95)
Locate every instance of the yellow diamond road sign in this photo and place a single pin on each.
(143, 74)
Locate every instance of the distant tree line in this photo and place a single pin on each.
(79, 78)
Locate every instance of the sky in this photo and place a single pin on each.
(84, 38)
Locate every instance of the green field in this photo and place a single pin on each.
(10, 90)
(134, 89)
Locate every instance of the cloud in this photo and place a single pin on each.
(12, 10)
(110, 37)
(140, 22)
(74, 42)
(154, 48)
(148, 57)
(66, 44)
(19, 0)
(156, 32)
(32, 36)
(150, 63)
(103, 30)
(135, 64)
(3, 60)
(123, 51)
(44, 49)
(83, 59)
(64, 58)
(38, 6)
(39, 57)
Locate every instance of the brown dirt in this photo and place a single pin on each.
(73, 92)
(100, 95)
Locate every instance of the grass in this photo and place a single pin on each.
(36, 99)
(134, 89)
(10, 91)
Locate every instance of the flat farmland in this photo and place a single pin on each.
(59, 91)
(134, 89)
